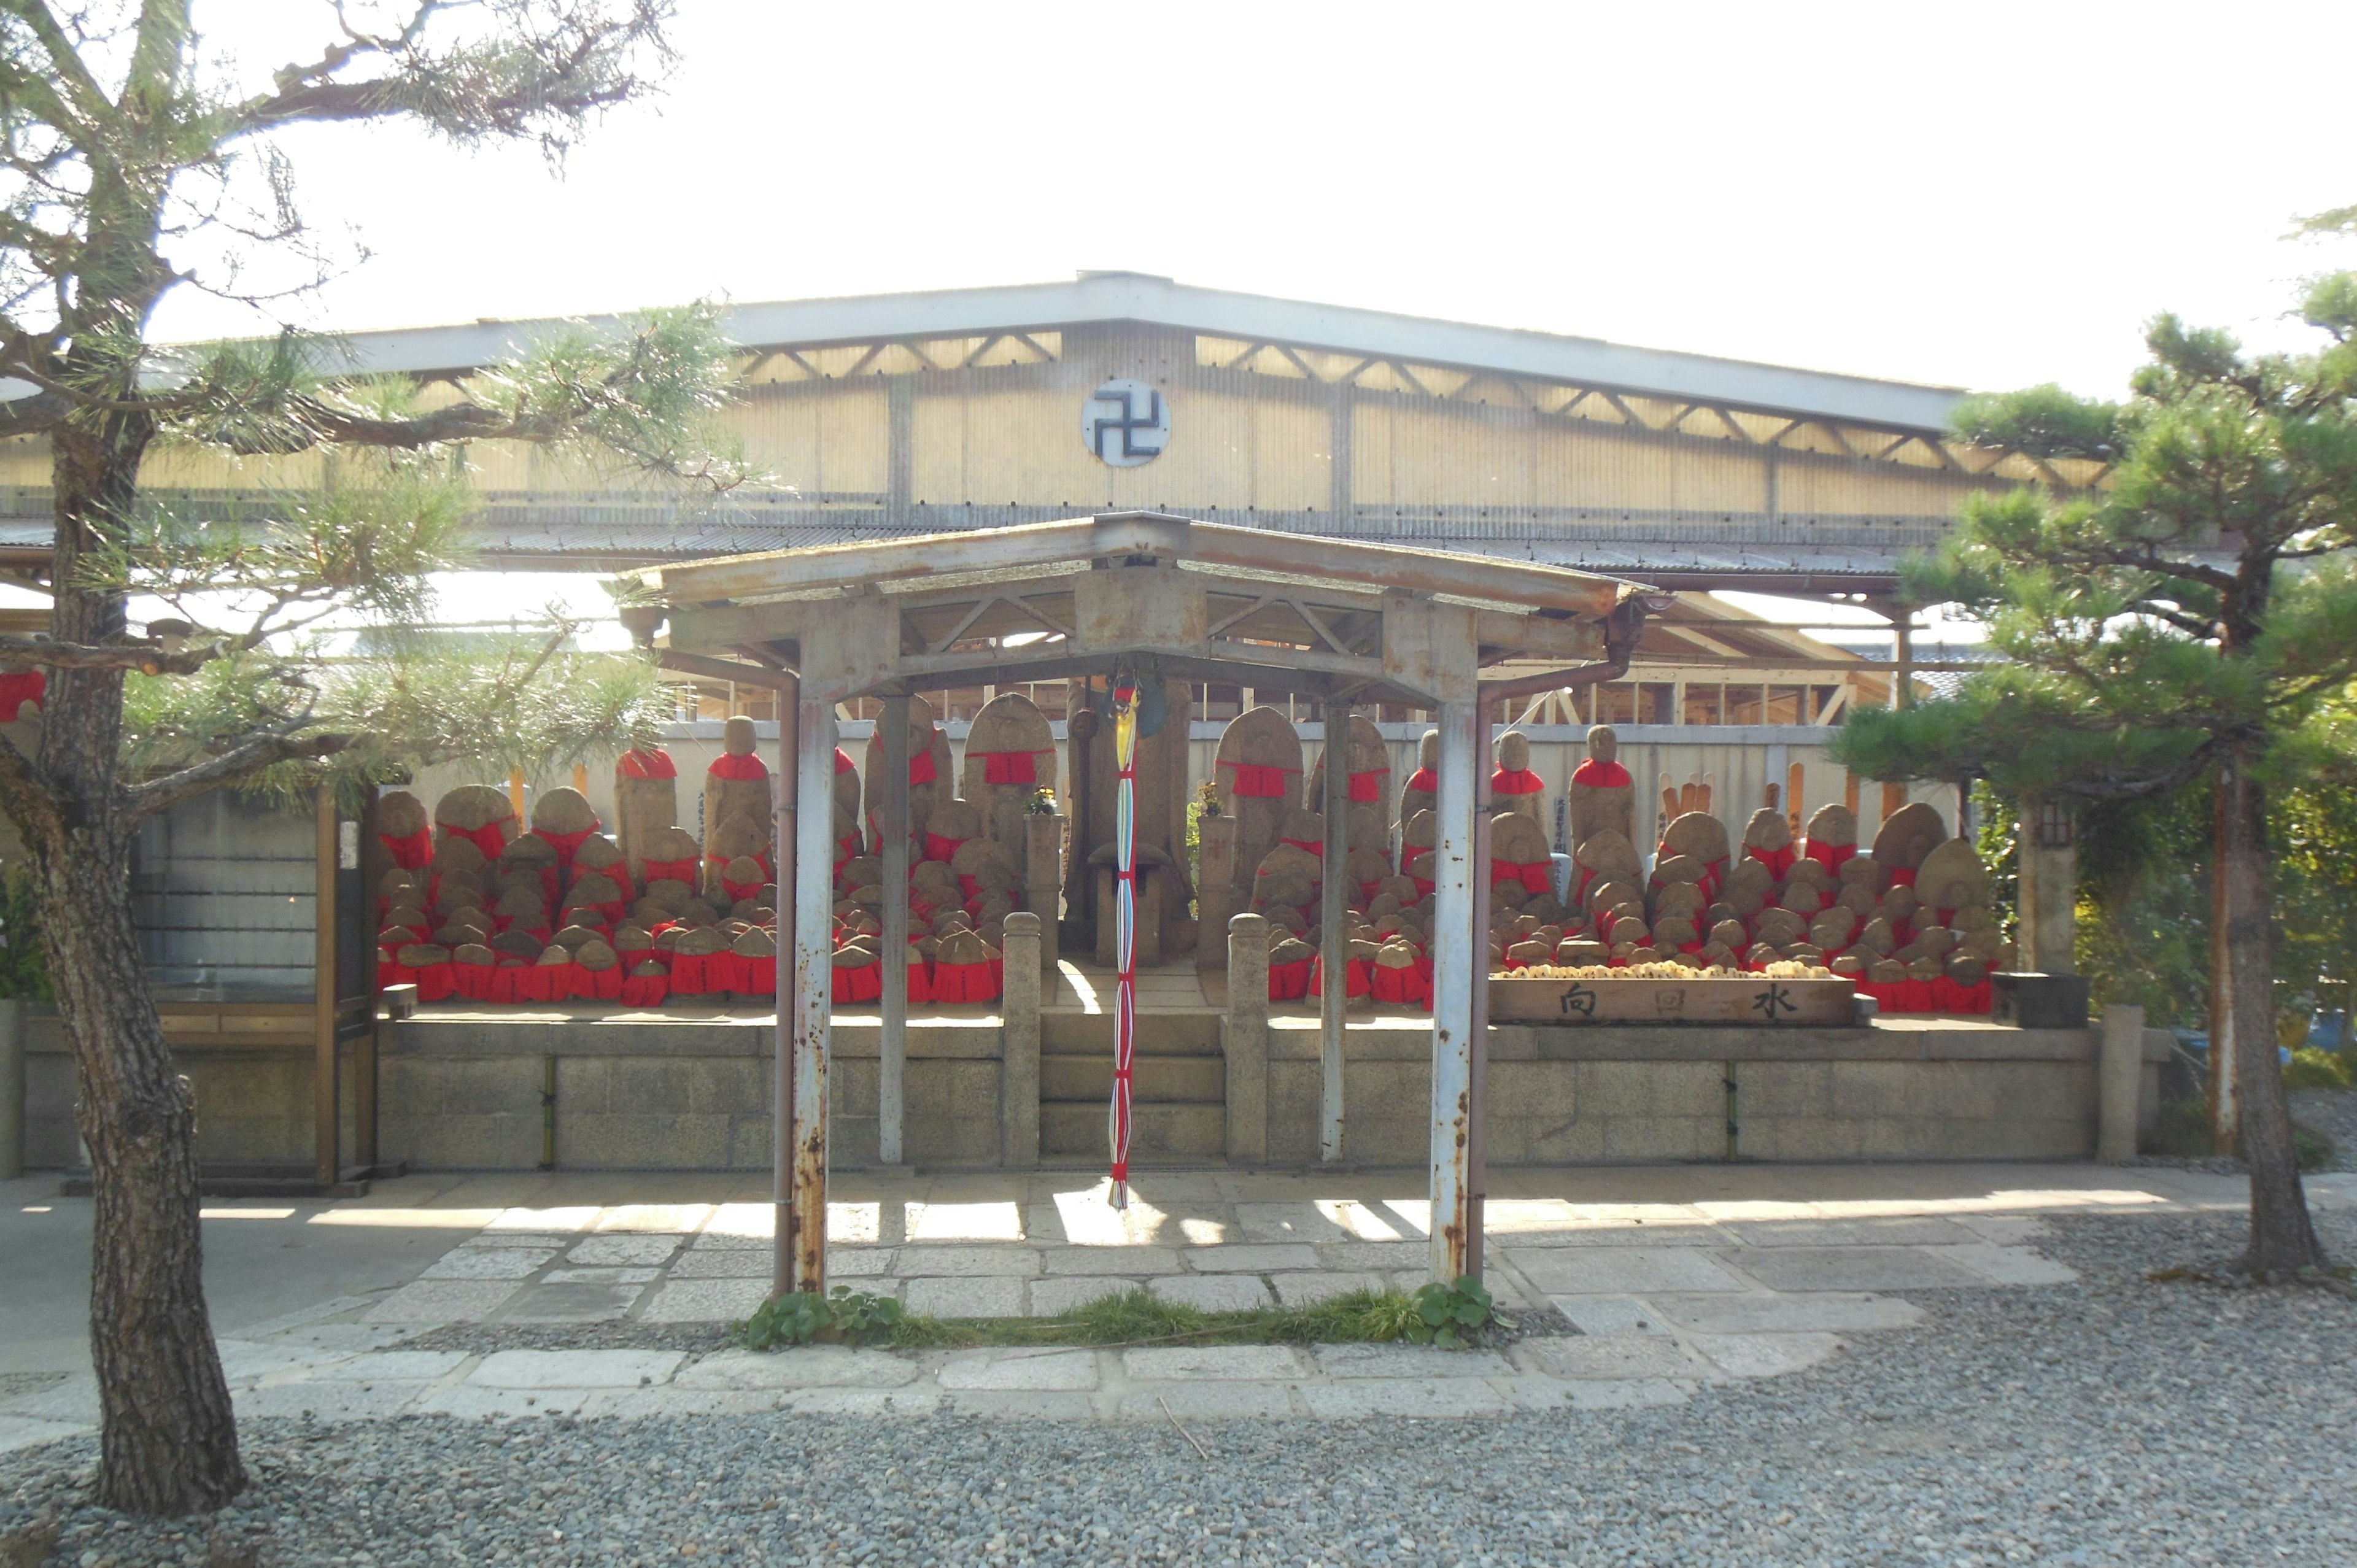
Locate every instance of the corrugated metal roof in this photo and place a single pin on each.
(1117, 296)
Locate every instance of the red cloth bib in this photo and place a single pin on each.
(415, 852)
(1536, 876)
(1424, 781)
(939, 848)
(729, 765)
(645, 990)
(491, 839)
(656, 764)
(843, 763)
(1832, 856)
(1260, 782)
(1012, 767)
(1516, 781)
(1779, 861)
(1599, 774)
(1367, 786)
(17, 688)
(921, 767)
(671, 871)
(1288, 981)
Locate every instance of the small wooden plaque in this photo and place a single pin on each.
(1753, 999)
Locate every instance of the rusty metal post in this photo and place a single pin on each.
(781, 1059)
(1477, 1116)
(1459, 968)
(892, 1061)
(1333, 948)
(802, 1230)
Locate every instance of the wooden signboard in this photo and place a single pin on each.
(1753, 999)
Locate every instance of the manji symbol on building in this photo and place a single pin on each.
(1126, 423)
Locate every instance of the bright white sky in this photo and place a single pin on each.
(1989, 196)
(1986, 197)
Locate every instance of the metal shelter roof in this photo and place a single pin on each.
(1199, 600)
(1116, 296)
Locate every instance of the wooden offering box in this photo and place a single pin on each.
(1753, 999)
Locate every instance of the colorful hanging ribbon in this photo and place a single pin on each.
(1125, 838)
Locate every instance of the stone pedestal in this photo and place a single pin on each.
(1018, 1115)
(1043, 879)
(2119, 1083)
(1245, 1039)
(1214, 892)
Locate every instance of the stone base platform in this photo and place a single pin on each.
(465, 1088)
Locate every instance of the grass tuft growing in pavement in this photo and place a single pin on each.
(1138, 1316)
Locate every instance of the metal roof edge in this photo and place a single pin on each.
(1108, 297)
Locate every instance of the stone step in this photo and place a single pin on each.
(1159, 1034)
(1157, 1080)
(1156, 1131)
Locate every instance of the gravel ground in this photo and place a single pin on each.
(2111, 1422)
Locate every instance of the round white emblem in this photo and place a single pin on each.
(1125, 423)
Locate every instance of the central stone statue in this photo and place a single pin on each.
(1603, 795)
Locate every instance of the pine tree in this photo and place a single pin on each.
(2190, 619)
(133, 165)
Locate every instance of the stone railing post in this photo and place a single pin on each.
(2119, 1079)
(1244, 1037)
(1043, 878)
(1214, 888)
(1018, 1067)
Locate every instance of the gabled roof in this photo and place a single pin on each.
(1109, 297)
(1197, 600)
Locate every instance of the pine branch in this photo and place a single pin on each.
(149, 658)
(283, 742)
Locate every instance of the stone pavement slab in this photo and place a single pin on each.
(724, 1265)
(1214, 1292)
(575, 1369)
(1054, 1298)
(1012, 1263)
(625, 1248)
(1142, 1259)
(545, 1303)
(1610, 1315)
(1212, 1362)
(396, 1366)
(1023, 1369)
(705, 1301)
(326, 1401)
(1622, 1270)
(1379, 1360)
(442, 1301)
(2010, 1265)
(1831, 1311)
(803, 1367)
(1765, 1355)
(1246, 1258)
(1850, 1268)
(1208, 1401)
(964, 1296)
(489, 1263)
(1604, 1358)
(1303, 1290)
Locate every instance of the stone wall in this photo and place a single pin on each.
(1646, 1094)
(644, 1094)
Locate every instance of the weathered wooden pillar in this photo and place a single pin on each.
(1019, 1110)
(788, 865)
(1460, 965)
(1245, 1039)
(892, 1061)
(802, 1239)
(1333, 947)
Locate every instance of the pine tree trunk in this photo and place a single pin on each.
(2282, 1238)
(168, 1442)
